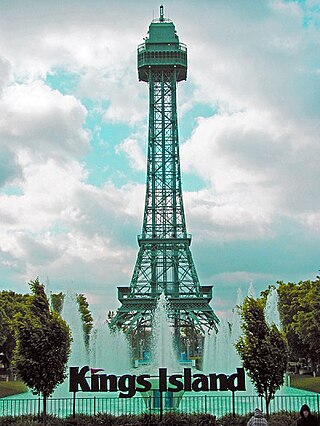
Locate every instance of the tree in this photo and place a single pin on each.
(11, 304)
(87, 320)
(300, 316)
(4, 326)
(307, 322)
(262, 349)
(43, 345)
(57, 300)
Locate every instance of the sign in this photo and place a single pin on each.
(129, 384)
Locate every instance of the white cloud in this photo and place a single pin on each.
(256, 57)
(256, 171)
(5, 73)
(240, 198)
(241, 278)
(132, 148)
(9, 166)
(35, 117)
(90, 42)
(63, 228)
(258, 154)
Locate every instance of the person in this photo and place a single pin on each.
(257, 419)
(306, 418)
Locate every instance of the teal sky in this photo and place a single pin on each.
(73, 134)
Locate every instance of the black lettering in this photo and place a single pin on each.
(241, 385)
(78, 378)
(213, 382)
(95, 383)
(223, 382)
(163, 379)
(142, 381)
(127, 383)
(173, 380)
(103, 382)
(187, 379)
(200, 383)
(110, 379)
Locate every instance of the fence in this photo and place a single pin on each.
(216, 405)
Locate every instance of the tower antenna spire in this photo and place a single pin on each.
(161, 13)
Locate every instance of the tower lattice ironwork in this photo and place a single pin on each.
(164, 263)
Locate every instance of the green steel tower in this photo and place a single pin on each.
(164, 263)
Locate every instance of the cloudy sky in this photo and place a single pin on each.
(73, 133)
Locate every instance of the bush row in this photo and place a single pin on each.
(169, 419)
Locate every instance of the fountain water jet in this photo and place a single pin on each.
(163, 353)
(251, 290)
(70, 313)
(271, 310)
(104, 344)
(79, 353)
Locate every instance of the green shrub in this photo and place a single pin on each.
(283, 419)
(82, 419)
(229, 420)
(169, 419)
(29, 421)
(204, 420)
(128, 420)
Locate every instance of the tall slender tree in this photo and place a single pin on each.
(86, 316)
(43, 345)
(263, 350)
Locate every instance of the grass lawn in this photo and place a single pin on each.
(12, 388)
(306, 383)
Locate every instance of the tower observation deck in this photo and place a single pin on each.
(164, 263)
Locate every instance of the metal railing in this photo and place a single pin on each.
(216, 405)
(180, 46)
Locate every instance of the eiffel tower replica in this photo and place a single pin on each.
(164, 263)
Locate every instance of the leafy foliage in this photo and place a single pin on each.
(43, 344)
(300, 316)
(262, 349)
(173, 419)
(283, 419)
(86, 316)
(11, 305)
(4, 325)
(229, 420)
(57, 300)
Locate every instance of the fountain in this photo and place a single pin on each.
(219, 350)
(271, 310)
(70, 313)
(79, 353)
(104, 344)
(106, 350)
(162, 348)
(251, 290)
(163, 356)
(215, 357)
(109, 351)
(220, 353)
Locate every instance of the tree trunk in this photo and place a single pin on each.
(44, 415)
(267, 404)
(313, 366)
